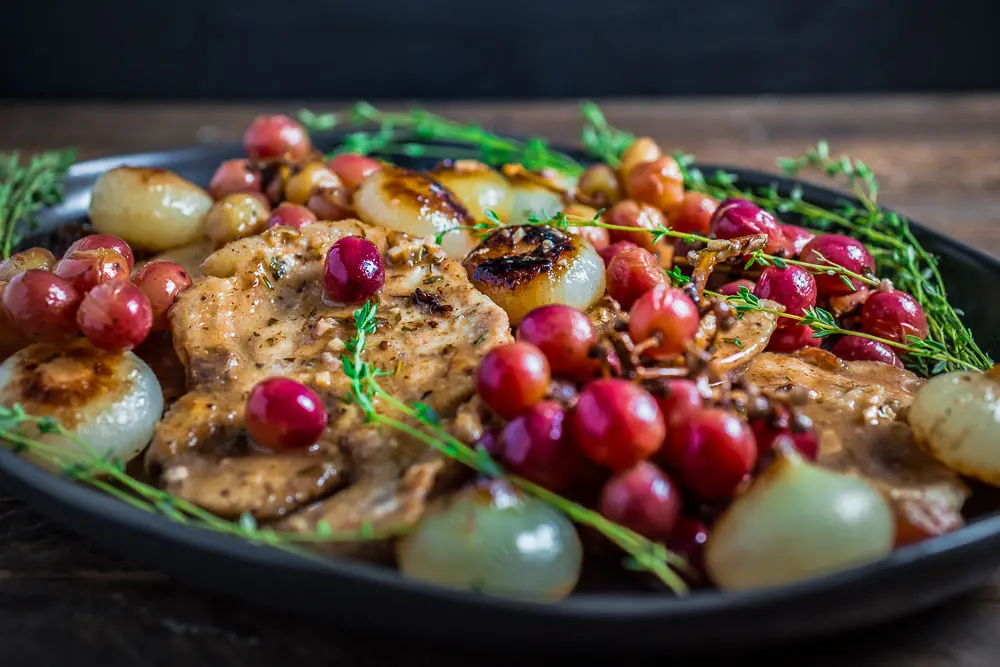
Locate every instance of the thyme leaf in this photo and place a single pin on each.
(25, 189)
(898, 254)
(81, 463)
(422, 424)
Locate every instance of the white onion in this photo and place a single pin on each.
(152, 209)
(112, 402)
(407, 201)
(533, 194)
(495, 541)
(796, 521)
(955, 417)
(477, 187)
(522, 268)
(189, 257)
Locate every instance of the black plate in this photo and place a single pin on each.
(381, 600)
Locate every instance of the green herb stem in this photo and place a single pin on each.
(898, 254)
(25, 189)
(647, 555)
(395, 128)
(823, 324)
(108, 475)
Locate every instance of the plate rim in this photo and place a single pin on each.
(18, 471)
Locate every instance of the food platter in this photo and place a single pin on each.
(602, 617)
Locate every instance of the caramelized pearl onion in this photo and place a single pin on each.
(413, 203)
(522, 268)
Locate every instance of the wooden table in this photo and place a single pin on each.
(62, 601)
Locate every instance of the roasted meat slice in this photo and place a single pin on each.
(856, 408)
(259, 312)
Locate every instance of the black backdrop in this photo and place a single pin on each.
(239, 49)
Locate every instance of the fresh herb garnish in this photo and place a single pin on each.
(407, 133)
(25, 189)
(422, 424)
(899, 256)
(824, 324)
(20, 430)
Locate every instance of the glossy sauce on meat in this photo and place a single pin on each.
(857, 408)
(260, 312)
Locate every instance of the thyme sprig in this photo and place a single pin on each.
(899, 256)
(23, 432)
(420, 422)
(823, 324)
(25, 189)
(564, 221)
(408, 132)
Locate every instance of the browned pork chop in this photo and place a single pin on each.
(260, 312)
(854, 406)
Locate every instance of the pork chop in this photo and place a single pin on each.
(856, 408)
(260, 312)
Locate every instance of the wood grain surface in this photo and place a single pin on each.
(64, 602)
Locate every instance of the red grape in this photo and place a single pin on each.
(711, 451)
(282, 413)
(799, 430)
(489, 442)
(796, 238)
(793, 287)
(12, 338)
(536, 446)
(658, 183)
(643, 149)
(312, 177)
(564, 335)
(695, 214)
(632, 273)
(334, 204)
(610, 252)
(617, 423)
(291, 215)
(512, 378)
(733, 288)
(668, 314)
(104, 241)
(856, 348)
(641, 217)
(42, 305)
(115, 316)
(793, 338)
(644, 499)
(738, 217)
(354, 270)
(234, 176)
(894, 315)
(842, 251)
(87, 269)
(599, 183)
(354, 168)
(161, 281)
(32, 258)
(680, 398)
(276, 137)
(688, 541)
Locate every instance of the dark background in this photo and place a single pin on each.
(330, 49)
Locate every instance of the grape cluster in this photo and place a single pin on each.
(90, 290)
